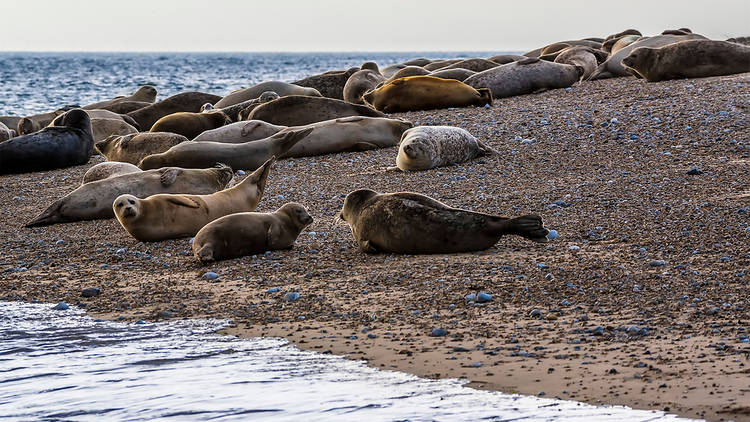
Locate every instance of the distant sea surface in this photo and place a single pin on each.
(40, 82)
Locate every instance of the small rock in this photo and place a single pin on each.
(657, 263)
(62, 306)
(140, 322)
(210, 275)
(536, 313)
(371, 335)
(484, 297)
(470, 297)
(476, 365)
(552, 235)
(574, 248)
(438, 332)
(694, 171)
(91, 292)
(273, 290)
(59, 242)
(291, 296)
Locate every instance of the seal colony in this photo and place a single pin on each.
(533, 192)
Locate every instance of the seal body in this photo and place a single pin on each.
(689, 59)
(144, 94)
(186, 101)
(410, 223)
(171, 216)
(439, 64)
(135, 147)
(233, 111)
(68, 145)
(245, 156)
(584, 42)
(408, 71)
(425, 93)
(524, 77)
(359, 83)
(426, 147)
(93, 200)
(506, 58)
(329, 84)
(250, 233)
(237, 133)
(190, 125)
(453, 73)
(475, 65)
(6, 133)
(255, 91)
(298, 110)
(108, 169)
(586, 58)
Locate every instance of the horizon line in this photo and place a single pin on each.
(259, 51)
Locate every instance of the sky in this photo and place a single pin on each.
(354, 25)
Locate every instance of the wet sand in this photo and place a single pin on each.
(642, 301)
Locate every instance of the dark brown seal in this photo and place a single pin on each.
(191, 125)
(299, 110)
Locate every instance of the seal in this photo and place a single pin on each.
(622, 42)
(6, 133)
(524, 77)
(246, 156)
(408, 71)
(10, 121)
(171, 216)
(689, 59)
(298, 110)
(108, 169)
(506, 58)
(347, 134)
(102, 115)
(125, 107)
(361, 82)
(586, 58)
(417, 62)
(186, 101)
(410, 223)
(144, 94)
(329, 84)
(680, 31)
(457, 74)
(627, 39)
(233, 112)
(37, 122)
(391, 70)
(67, 145)
(281, 88)
(425, 93)
(190, 125)
(439, 64)
(247, 109)
(250, 233)
(93, 200)
(613, 66)
(584, 42)
(237, 133)
(427, 147)
(135, 147)
(475, 65)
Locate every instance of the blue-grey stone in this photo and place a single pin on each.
(484, 297)
(438, 332)
(291, 296)
(210, 275)
(62, 306)
(91, 292)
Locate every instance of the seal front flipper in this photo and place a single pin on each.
(485, 149)
(182, 201)
(49, 216)
(368, 247)
(205, 253)
(528, 226)
(169, 176)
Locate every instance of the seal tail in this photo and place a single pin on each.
(49, 216)
(527, 226)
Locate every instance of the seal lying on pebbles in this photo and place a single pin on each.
(6, 133)
(586, 58)
(457, 74)
(101, 115)
(103, 128)
(233, 112)
(426, 147)
(689, 59)
(237, 133)
(584, 42)
(186, 101)
(69, 144)
(11, 122)
(361, 82)
(439, 64)
(506, 58)
(475, 65)
(250, 233)
(144, 94)
(37, 122)
(298, 110)
(524, 77)
(93, 200)
(281, 88)
(109, 169)
(190, 125)
(410, 223)
(165, 216)
(245, 156)
(613, 67)
(425, 93)
(135, 147)
(329, 84)
(408, 71)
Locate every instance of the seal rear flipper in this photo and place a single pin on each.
(485, 149)
(528, 226)
(49, 216)
(205, 253)
(169, 176)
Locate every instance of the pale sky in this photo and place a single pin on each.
(340, 25)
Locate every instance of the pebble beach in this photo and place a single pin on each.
(642, 300)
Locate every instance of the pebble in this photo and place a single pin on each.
(694, 171)
(476, 365)
(536, 313)
(470, 297)
(62, 306)
(210, 275)
(273, 290)
(483, 297)
(552, 235)
(291, 296)
(91, 292)
(574, 248)
(59, 242)
(657, 263)
(438, 332)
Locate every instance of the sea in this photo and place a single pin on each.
(62, 365)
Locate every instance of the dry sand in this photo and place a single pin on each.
(642, 301)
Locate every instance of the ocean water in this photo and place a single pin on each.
(40, 82)
(65, 366)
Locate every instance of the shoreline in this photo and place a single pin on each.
(657, 249)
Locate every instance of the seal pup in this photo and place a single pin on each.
(171, 216)
(93, 200)
(689, 59)
(250, 233)
(427, 147)
(329, 84)
(108, 169)
(144, 94)
(245, 156)
(281, 88)
(410, 223)
(298, 110)
(524, 77)
(233, 111)
(6, 133)
(54, 147)
(457, 74)
(135, 147)
(190, 125)
(186, 101)
(425, 93)
(361, 82)
(237, 133)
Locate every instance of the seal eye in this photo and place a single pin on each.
(119, 205)
(131, 201)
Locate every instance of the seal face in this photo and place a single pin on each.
(67, 145)
(359, 83)
(689, 59)
(427, 147)
(425, 93)
(250, 233)
(410, 223)
(135, 147)
(171, 216)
